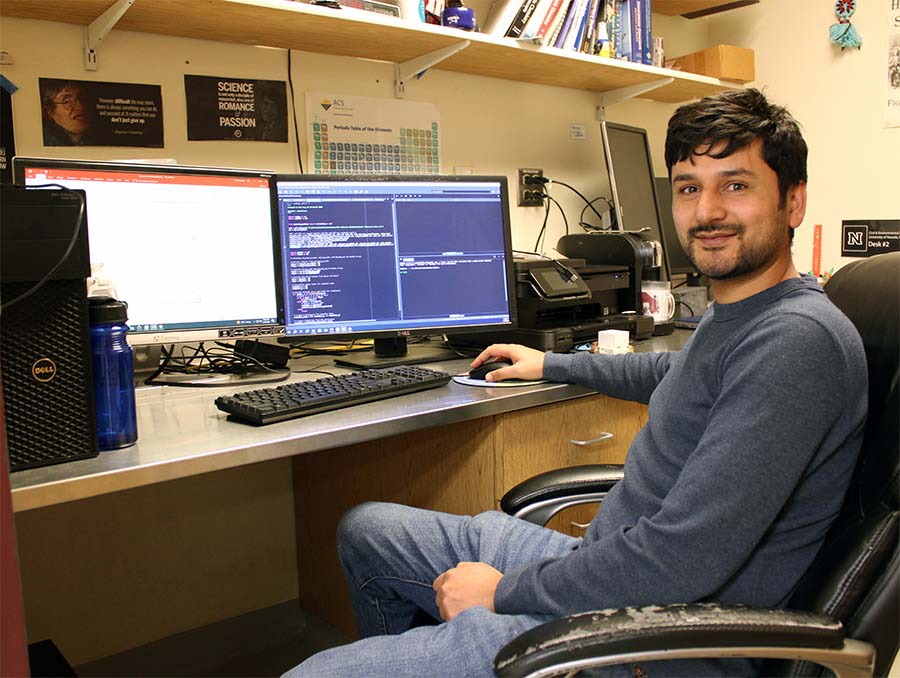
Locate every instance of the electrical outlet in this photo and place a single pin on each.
(530, 191)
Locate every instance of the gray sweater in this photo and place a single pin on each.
(753, 432)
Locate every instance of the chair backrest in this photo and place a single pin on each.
(856, 576)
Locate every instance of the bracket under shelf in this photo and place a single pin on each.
(415, 68)
(615, 96)
(99, 28)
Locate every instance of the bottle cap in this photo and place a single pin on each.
(106, 310)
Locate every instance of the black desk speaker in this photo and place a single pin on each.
(45, 356)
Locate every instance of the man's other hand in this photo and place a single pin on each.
(464, 586)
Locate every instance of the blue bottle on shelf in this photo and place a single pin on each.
(113, 363)
(456, 15)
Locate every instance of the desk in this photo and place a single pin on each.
(206, 518)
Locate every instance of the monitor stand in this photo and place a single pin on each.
(396, 351)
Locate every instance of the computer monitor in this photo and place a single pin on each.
(192, 250)
(679, 263)
(392, 257)
(631, 179)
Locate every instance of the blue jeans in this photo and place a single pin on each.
(391, 554)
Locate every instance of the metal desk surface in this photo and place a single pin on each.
(181, 432)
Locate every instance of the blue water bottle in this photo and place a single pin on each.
(456, 15)
(113, 363)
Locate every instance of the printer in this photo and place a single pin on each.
(563, 303)
(643, 256)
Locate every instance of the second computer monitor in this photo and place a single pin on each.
(679, 262)
(627, 153)
(191, 249)
(391, 257)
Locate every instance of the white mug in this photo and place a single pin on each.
(658, 300)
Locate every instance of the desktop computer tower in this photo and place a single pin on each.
(45, 356)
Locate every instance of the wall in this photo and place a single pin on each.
(490, 125)
(495, 126)
(838, 99)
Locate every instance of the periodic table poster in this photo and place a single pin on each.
(362, 135)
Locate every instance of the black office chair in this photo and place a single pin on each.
(844, 613)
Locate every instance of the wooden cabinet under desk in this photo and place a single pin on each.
(464, 468)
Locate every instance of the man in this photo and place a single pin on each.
(66, 120)
(753, 432)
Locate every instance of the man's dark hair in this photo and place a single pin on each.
(733, 120)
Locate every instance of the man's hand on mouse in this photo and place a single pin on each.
(527, 363)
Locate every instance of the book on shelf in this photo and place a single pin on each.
(582, 25)
(555, 29)
(637, 32)
(612, 26)
(590, 27)
(550, 21)
(566, 28)
(538, 17)
(623, 37)
(647, 27)
(501, 16)
(521, 20)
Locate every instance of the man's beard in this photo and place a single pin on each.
(748, 258)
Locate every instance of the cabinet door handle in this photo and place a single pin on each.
(579, 526)
(593, 441)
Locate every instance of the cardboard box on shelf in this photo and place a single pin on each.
(726, 62)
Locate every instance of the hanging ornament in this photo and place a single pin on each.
(843, 33)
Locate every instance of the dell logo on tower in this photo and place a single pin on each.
(43, 370)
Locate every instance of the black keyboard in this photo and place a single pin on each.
(269, 405)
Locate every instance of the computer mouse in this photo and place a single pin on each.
(481, 371)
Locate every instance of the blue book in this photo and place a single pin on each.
(647, 27)
(637, 32)
(566, 24)
(572, 31)
(623, 43)
(581, 29)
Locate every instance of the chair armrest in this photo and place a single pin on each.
(694, 630)
(542, 496)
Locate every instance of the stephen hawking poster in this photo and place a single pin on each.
(87, 113)
(234, 109)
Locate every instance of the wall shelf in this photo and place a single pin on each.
(693, 9)
(300, 26)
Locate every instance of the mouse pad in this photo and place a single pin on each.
(468, 381)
